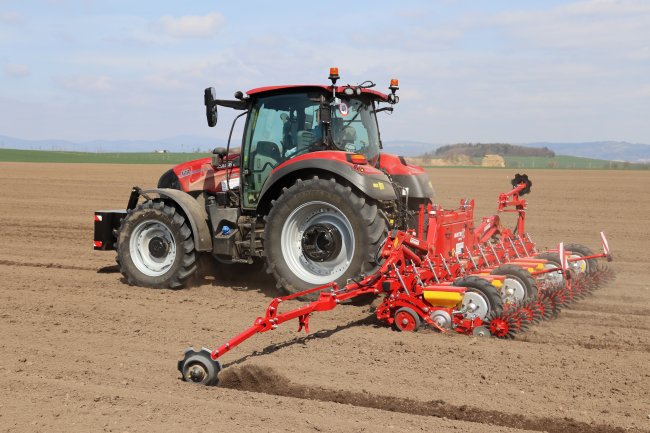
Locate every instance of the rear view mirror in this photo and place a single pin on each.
(210, 106)
(325, 113)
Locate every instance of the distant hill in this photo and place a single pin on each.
(477, 150)
(610, 150)
(183, 143)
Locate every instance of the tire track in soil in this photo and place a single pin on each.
(619, 347)
(267, 381)
(49, 265)
(613, 309)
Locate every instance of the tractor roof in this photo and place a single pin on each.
(259, 91)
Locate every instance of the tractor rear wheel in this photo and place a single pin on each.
(319, 231)
(155, 247)
(481, 298)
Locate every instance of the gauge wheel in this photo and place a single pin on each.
(518, 285)
(555, 278)
(481, 298)
(581, 266)
(199, 367)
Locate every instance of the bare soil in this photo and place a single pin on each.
(80, 350)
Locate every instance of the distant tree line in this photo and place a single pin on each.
(481, 149)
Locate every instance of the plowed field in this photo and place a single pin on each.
(82, 351)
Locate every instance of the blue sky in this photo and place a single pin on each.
(475, 70)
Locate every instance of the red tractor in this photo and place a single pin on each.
(308, 190)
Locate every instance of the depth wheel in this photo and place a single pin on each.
(581, 266)
(319, 231)
(407, 320)
(199, 367)
(155, 247)
(518, 285)
(552, 278)
(481, 297)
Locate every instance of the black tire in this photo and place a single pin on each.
(199, 368)
(486, 291)
(583, 251)
(293, 269)
(175, 236)
(521, 276)
(551, 257)
(554, 260)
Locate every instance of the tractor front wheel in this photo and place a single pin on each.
(319, 231)
(155, 247)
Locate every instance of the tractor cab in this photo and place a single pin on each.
(284, 122)
(287, 123)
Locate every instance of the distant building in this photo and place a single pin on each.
(160, 151)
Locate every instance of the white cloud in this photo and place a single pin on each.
(191, 26)
(11, 17)
(15, 70)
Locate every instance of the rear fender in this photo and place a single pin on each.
(365, 178)
(194, 212)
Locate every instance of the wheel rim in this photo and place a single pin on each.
(579, 266)
(552, 278)
(303, 228)
(476, 305)
(321, 242)
(513, 290)
(153, 248)
(405, 321)
(196, 372)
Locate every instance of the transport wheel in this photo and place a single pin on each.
(319, 231)
(481, 297)
(518, 285)
(552, 278)
(581, 266)
(407, 320)
(199, 367)
(155, 247)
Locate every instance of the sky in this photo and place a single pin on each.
(470, 71)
